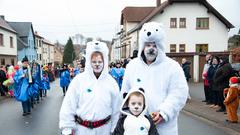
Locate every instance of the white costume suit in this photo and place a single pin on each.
(165, 86)
(90, 98)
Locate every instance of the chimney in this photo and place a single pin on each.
(2, 16)
(158, 3)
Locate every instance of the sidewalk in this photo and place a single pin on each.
(200, 109)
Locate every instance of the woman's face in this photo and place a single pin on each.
(215, 61)
(97, 63)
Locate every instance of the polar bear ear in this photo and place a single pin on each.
(124, 94)
(141, 89)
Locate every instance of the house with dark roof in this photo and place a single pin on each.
(25, 40)
(130, 18)
(8, 43)
(193, 28)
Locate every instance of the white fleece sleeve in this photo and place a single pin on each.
(68, 109)
(116, 103)
(177, 95)
(126, 79)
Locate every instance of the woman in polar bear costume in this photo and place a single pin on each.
(166, 89)
(91, 105)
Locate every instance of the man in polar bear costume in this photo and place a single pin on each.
(166, 89)
(91, 105)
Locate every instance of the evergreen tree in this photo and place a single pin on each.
(69, 53)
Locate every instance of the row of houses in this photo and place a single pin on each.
(193, 29)
(18, 39)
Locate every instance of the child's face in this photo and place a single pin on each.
(136, 104)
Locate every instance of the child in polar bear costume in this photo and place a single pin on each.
(134, 121)
(162, 78)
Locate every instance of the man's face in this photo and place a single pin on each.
(136, 104)
(150, 51)
(97, 63)
(25, 64)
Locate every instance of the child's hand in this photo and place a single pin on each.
(157, 118)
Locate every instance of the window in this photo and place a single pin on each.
(12, 61)
(40, 56)
(201, 48)
(1, 39)
(202, 23)
(173, 22)
(40, 43)
(36, 41)
(172, 47)
(2, 61)
(182, 23)
(11, 42)
(182, 48)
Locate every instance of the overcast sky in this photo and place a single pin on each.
(59, 19)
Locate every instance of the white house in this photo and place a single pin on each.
(193, 28)
(130, 18)
(39, 46)
(8, 43)
(48, 52)
(115, 53)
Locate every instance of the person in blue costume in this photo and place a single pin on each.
(77, 70)
(36, 85)
(21, 87)
(118, 73)
(64, 78)
(46, 84)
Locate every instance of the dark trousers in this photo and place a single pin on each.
(215, 97)
(26, 106)
(207, 93)
(221, 99)
(44, 93)
(64, 90)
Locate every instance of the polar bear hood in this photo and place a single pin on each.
(125, 110)
(152, 32)
(92, 47)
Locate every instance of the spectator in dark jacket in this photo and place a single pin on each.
(3, 77)
(213, 89)
(221, 79)
(186, 68)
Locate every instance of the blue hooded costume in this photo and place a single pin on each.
(65, 78)
(117, 74)
(21, 85)
(46, 83)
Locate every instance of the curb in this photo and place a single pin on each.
(224, 126)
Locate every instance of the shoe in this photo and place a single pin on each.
(211, 106)
(220, 110)
(204, 100)
(216, 106)
(24, 114)
(231, 121)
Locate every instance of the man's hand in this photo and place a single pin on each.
(157, 118)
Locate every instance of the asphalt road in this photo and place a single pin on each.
(44, 118)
